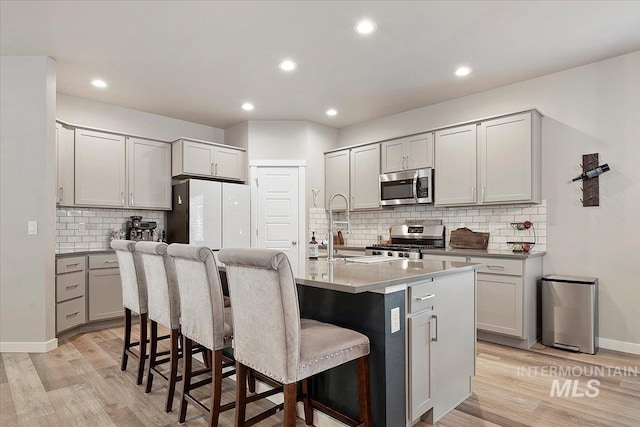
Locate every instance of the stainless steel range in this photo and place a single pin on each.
(408, 239)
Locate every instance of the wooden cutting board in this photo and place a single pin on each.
(463, 238)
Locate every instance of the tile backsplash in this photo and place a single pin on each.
(89, 229)
(366, 226)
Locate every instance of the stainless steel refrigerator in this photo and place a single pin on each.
(210, 213)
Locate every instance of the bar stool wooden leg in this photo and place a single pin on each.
(143, 347)
(127, 339)
(251, 380)
(216, 387)
(187, 345)
(152, 355)
(308, 411)
(290, 399)
(173, 372)
(364, 394)
(241, 394)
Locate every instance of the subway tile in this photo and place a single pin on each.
(74, 239)
(61, 239)
(66, 219)
(74, 212)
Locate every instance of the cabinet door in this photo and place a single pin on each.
(419, 373)
(105, 294)
(197, 158)
(419, 151)
(149, 173)
(500, 304)
(99, 169)
(365, 175)
(455, 174)
(336, 177)
(228, 163)
(65, 165)
(505, 159)
(393, 156)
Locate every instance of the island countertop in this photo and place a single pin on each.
(352, 277)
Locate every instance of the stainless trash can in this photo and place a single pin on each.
(570, 313)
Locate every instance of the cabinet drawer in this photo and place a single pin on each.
(421, 296)
(70, 313)
(70, 285)
(103, 261)
(67, 265)
(512, 267)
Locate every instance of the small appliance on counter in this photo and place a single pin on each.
(410, 238)
(137, 229)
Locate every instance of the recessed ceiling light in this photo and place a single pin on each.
(463, 71)
(247, 106)
(331, 112)
(99, 83)
(288, 65)
(365, 27)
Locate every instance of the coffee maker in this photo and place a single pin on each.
(141, 230)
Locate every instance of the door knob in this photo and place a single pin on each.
(294, 242)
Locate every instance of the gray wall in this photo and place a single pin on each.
(27, 123)
(86, 112)
(589, 109)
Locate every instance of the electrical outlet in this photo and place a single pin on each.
(32, 228)
(395, 319)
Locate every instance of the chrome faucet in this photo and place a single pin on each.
(333, 223)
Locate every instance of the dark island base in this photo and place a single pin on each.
(370, 314)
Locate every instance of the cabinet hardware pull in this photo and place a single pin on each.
(212, 172)
(435, 338)
(72, 265)
(110, 261)
(60, 194)
(131, 195)
(73, 314)
(73, 286)
(473, 191)
(426, 297)
(495, 267)
(122, 198)
(483, 197)
(216, 168)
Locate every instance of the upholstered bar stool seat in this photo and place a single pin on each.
(272, 339)
(134, 300)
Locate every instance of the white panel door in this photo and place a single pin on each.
(205, 213)
(100, 169)
(278, 211)
(149, 173)
(236, 215)
(197, 158)
(228, 163)
(365, 175)
(336, 179)
(393, 156)
(455, 176)
(505, 159)
(420, 364)
(419, 151)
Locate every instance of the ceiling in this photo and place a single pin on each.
(199, 61)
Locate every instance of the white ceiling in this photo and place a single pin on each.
(199, 61)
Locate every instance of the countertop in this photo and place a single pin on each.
(486, 253)
(71, 252)
(355, 278)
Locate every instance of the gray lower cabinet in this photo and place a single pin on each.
(105, 289)
(70, 292)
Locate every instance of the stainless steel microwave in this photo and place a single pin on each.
(407, 187)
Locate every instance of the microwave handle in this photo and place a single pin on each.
(415, 187)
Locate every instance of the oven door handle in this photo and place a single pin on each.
(415, 186)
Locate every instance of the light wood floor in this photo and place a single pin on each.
(80, 384)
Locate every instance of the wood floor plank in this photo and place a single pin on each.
(68, 350)
(54, 370)
(8, 416)
(79, 406)
(3, 374)
(29, 396)
(91, 351)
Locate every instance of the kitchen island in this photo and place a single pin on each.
(420, 318)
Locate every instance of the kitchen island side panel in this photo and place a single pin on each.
(370, 314)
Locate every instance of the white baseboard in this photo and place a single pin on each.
(623, 346)
(28, 347)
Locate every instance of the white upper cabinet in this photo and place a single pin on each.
(65, 168)
(365, 172)
(509, 159)
(336, 167)
(100, 169)
(199, 158)
(149, 173)
(455, 172)
(413, 152)
(491, 162)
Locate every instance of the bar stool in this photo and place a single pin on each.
(204, 320)
(272, 339)
(164, 309)
(134, 299)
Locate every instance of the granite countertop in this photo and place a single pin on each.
(70, 252)
(486, 253)
(354, 278)
(344, 247)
